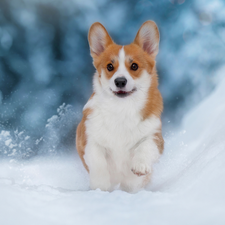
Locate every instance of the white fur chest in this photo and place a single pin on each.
(117, 125)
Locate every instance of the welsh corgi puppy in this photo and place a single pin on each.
(119, 137)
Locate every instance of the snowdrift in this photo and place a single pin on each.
(188, 185)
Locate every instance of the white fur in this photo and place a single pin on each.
(119, 141)
(122, 72)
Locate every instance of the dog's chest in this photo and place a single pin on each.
(117, 131)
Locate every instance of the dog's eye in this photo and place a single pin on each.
(110, 67)
(134, 66)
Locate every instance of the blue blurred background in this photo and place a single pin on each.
(46, 68)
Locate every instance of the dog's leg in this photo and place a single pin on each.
(97, 164)
(144, 155)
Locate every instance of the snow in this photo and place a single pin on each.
(188, 184)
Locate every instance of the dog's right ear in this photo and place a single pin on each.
(99, 39)
(148, 38)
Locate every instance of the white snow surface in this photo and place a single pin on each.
(187, 187)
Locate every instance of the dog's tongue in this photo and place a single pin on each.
(121, 92)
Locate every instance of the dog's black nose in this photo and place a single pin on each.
(120, 82)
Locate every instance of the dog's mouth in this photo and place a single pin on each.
(123, 94)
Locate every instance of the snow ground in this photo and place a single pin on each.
(188, 185)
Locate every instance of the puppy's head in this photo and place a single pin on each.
(124, 70)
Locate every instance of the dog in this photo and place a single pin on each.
(119, 137)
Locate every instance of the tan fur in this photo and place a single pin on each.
(81, 138)
(159, 141)
(142, 59)
(110, 55)
(154, 103)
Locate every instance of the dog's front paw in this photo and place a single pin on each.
(141, 168)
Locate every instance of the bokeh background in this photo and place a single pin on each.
(46, 69)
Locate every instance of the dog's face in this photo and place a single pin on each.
(124, 70)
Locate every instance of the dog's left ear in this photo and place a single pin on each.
(99, 39)
(148, 38)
